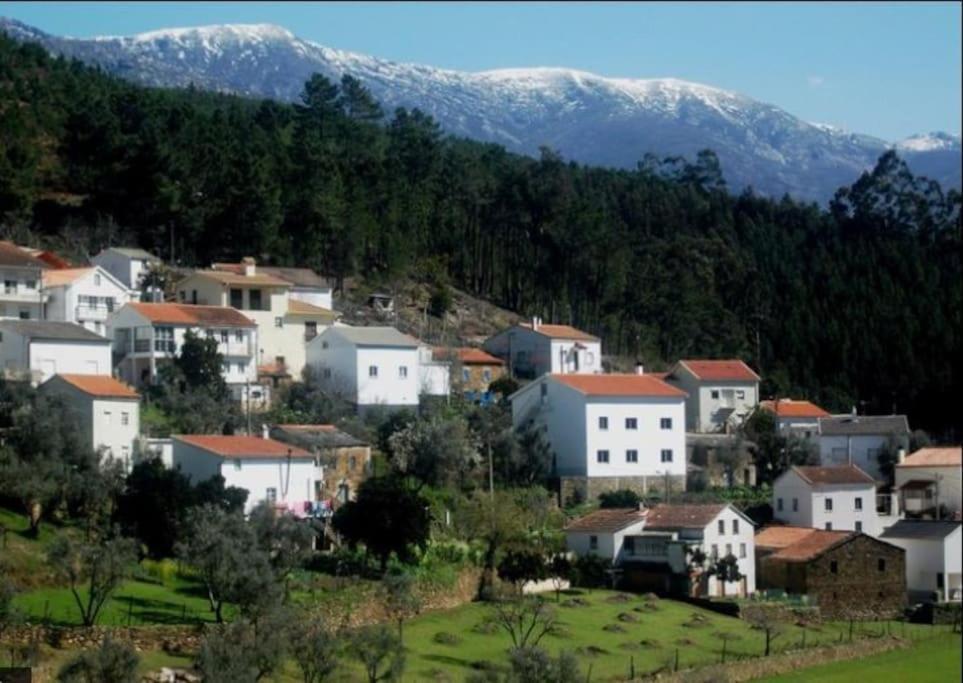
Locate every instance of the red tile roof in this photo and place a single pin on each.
(63, 276)
(466, 355)
(243, 446)
(101, 386)
(682, 516)
(788, 407)
(733, 370)
(229, 278)
(13, 255)
(298, 307)
(608, 520)
(934, 457)
(834, 474)
(778, 536)
(804, 546)
(560, 332)
(619, 385)
(190, 314)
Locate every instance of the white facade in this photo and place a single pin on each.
(315, 296)
(933, 562)
(860, 450)
(946, 480)
(605, 435)
(367, 371)
(109, 423)
(712, 404)
(127, 265)
(284, 481)
(731, 533)
(608, 545)
(537, 349)
(434, 375)
(837, 507)
(41, 359)
(21, 294)
(86, 296)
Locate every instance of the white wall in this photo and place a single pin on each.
(66, 357)
(531, 351)
(649, 439)
(812, 504)
(609, 543)
(434, 376)
(860, 450)
(562, 413)
(64, 301)
(925, 558)
(732, 539)
(389, 387)
(316, 297)
(566, 359)
(949, 483)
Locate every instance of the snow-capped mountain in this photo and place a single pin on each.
(589, 118)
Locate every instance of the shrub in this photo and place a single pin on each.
(591, 571)
(162, 572)
(623, 498)
(446, 638)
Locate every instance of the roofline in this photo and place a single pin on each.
(333, 329)
(211, 275)
(853, 535)
(529, 328)
(798, 471)
(694, 374)
(178, 437)
(194, 323)
(721, 510)
(95, 267)
(84, 391)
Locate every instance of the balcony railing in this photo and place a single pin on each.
(160, 345)
(25, 296)
(100, 313)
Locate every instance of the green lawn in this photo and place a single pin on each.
(933, 660)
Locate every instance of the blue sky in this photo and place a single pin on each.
(885, 69)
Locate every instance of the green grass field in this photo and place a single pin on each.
(933, 660)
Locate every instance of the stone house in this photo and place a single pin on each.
(343, 460)
(473, 370)
(843, 572)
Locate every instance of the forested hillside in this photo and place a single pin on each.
(858, 305)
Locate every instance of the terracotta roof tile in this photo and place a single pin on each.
(682, 516)
(812, 545)
(607, 520)
(101, 386)
(298, 307)
(560, 332)
(228, 278)
(190, 314)
(934, 457)
(788, 407)
(466, 355)
(13, 255)
(732, 370)
(63, 276)
(619, 385)
(236, 446)
(834, 474)
(776, 537)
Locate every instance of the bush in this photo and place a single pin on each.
(112, 662)
(446, 638)
(623, 498)
(161, 572)
(591, 571)
(440, 301)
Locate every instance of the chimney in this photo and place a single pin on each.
(535, 322)
(250, 266)
(901, 455)
(854, 411)
(639, 369)
(265, 432)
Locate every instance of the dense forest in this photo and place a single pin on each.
(858, 304)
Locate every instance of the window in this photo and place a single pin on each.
(324, 345)
(240, 368)
(665, 423)
(237, 464)
(279, 322)
(487, 375)
(254, 298)
(225, 336)
(97, 279)
(32, 284)
(631, 455)
(631, 423)
(602, 456)
(352, 463)
(125, 454)
(666, 455)
(372, 371)
(829, 526)
(327, 373)
(742, 550)
(24, 314)
(859, 526)
(543, 390)
(740, 394)
(403, 371)
(881, 564)
(603, 423)
(465, 375)
(226, 368)
(795, 505)
(593, 542)
(1, 336)
(194, 296)
(589, 358)
(182, 296)
(272, 494)
(209, 334)
(628, 545)
(714, 393)
(107, 417)
(310, 329)
(728, 549)
(828, 504)
(722, 527)
(939, 580)
(10, 286)
(714, 553)
(779, 504)
(735, 526)
(859, 503)
(833, 567)
(239, 336)
(125, 419)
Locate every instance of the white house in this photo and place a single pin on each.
(86, 296)
(858, 439)
(285, 324)
(368, 366)
(270, 470)
(795, 416)
(721, 393)
(127, 264)
(39, 349)
(22, 296)
(934, 554)
(434, 372)
(306, 285)
(146, 336)
(534, 349)
(608, 431)
(930, 478)
(841, 498)
(654, 547)
(108, 411)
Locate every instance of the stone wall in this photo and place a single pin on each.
(143, 638)
(577, 489)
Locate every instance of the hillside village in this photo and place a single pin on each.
(685, 483)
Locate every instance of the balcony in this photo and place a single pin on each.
(235, 348)
(160, 346)
(97, 313)
(23, 296)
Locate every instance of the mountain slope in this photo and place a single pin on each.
(589, 118)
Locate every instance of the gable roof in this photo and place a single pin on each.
(239, 446)
(607, 520)
(788, 407)
(325, 436)
(226, 277)
(951, 456)
(851, 425)
(833, 474)
(298, 307)
(299, 277)
(921, 529)
(13, 255)
(51, 330)
(374, 336)
(670, 517)
(466, 355)
(731, 370)
(192, 314)
(778, 536)
(559, 332)
(99, 386)
(64, 276)
(133, 252)
(805, 547)
(619, 385)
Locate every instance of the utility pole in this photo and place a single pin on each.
(491, 471)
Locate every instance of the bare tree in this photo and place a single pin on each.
(769, 619)
(525, 620)
(92, 570)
